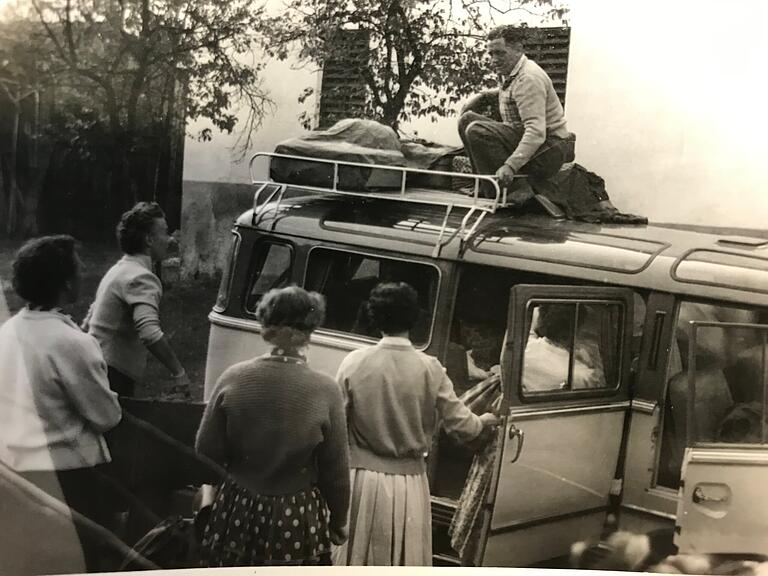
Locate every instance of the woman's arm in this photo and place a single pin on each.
(333, 464)
(83, 372)
(211, 440)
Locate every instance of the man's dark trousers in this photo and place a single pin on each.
(489, 143)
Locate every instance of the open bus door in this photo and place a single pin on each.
(722, 507)
(565, 370)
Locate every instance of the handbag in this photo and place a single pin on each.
(173, 543)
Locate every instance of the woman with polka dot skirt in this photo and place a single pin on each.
(279, 428)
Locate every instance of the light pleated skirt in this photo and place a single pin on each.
(390, 521)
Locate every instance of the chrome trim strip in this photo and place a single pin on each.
(318, 337)
(644, 406)
(452, 560)
(529, 523)
(234, 253)
(528, 413)
(741, 325)
(663, 492)
(345, 343)
(218, 319)
(748, 457)
(443, 501)
(650, 512)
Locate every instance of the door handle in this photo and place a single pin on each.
(701, 497)
(515, 432)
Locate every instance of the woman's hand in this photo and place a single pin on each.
(490, 420)
(339, 535)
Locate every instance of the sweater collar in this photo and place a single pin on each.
(54, 313)
(506, 81)
(144, 260)
(395, 341)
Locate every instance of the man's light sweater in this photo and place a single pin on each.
(394, 395)
(279, 427)
(528, 100)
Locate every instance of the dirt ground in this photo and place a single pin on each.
(183, 315)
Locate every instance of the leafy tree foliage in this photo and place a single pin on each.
(424, 55)
(124, 75)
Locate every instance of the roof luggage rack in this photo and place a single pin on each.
(477, 207)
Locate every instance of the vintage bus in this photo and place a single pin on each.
(650, 412)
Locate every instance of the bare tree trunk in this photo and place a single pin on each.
(5, 189)
(38, 169)
(15, 201)
(29, 224)
(177, 112)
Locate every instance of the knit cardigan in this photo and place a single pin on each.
(394, 396)
(279, 427)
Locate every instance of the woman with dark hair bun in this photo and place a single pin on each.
(279, 428)
(394, 395)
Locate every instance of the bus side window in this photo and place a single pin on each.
(572, 346)
(478, 325)
(728, 384)
(271, 268)
(347, 278)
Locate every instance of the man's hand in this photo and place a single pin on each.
(516, 195)
(506, 175)
(339, 535)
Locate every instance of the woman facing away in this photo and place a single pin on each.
(279, 428)
(394, 395)
(55, 401)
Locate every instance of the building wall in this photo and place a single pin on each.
(216, 185)
(208, 211)
(216, 161)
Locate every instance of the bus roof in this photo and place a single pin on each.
(699, 264)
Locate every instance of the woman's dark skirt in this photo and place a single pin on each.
(247, 529)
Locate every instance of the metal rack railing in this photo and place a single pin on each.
(477, 206)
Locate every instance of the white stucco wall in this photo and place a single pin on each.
(667, 99)
(214, 161)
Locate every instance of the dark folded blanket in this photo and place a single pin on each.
(581, 195)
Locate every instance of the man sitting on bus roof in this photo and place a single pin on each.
(532, 138)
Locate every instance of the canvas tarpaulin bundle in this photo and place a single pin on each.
(349, 140)
(364, 142)
(577, 192)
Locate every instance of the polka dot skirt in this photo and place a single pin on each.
(246, 529)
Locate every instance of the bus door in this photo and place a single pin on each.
(565, 371)
(722, 507)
